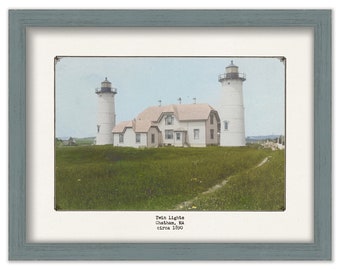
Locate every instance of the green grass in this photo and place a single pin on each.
(109, 178)
(255, 189)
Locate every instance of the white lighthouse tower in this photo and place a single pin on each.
(231, 109)
(106, 117)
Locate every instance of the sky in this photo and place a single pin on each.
(143, 81)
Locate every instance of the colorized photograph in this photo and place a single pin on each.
(170, 133)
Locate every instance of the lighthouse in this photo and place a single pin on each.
(231, 109)
(106, 117)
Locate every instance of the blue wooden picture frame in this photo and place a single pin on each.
(319, 20)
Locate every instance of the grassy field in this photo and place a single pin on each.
(109, 178)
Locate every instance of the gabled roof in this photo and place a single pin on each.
(147, 118)
(154, 112)
(183, 112)
(122, 126)
(187, 112)
(140, 126)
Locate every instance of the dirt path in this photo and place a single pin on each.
(186, 204)
(263, 162)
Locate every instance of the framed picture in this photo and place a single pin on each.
(170, 135)
(175, 151)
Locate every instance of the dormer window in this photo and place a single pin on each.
(169, 120)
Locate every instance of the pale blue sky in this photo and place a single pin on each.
(142, 81)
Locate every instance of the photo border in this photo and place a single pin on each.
(319, 20)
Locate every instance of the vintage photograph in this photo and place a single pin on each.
(170, 133)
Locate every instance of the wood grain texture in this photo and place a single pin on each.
(319, 20)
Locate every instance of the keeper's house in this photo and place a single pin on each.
(181, 125)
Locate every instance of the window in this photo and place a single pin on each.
(169, 134)
(98, 128)
(211, 119)
(211, 134)
(196, 134)
(169, 120)
(226, 124)
(178, 136)
(152, 138)
(121, 137)
(137, 137)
